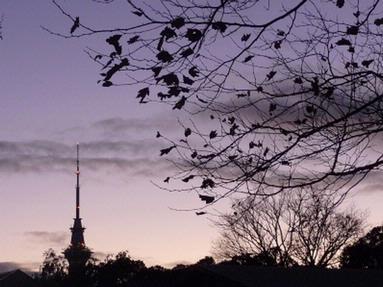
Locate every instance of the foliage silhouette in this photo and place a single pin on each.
(366, 253)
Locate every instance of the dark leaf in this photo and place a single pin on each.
(343, 42)
(353, 64)
(98, 57)
(245, 37)
(186, 53)
(138, 13)
(259, 89)
(284, 132)
(266, 151)
(352, 30)
(270, 75)
(193, 35)
(174, 91)
(133, 39)
(310, 109)
(367, 63)
(142, 94)
(186, 179)
(340, 3)
(158, 135)
(114, 41)
(169, 79)
(315, 86)
(272, 107)
(108, 75)
(194, 72)
(200, 213)
(168, 33)
(243, 95)
(277, 44)
(207, 198)
(213, 134)
(232, 157)
(280, 33)
(252, 145)
(194, 154)
(248, 58)
(188, 81)
(167, 179)
(107, 84)
(285, 162)
(160, 43)
(231, 120)
(378, 21)
(156, 71)
(162, 96)
(178, 22)
(76, 24)
(180, 103)
(166, 150)
(164, 56)
(220, 26)
(298, 81)
(113, 54)
(351, 49)
(187, 132)
(233, 129)
(356, 14)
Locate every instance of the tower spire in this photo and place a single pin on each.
(78, 183)
(77, 229)
(77, 253)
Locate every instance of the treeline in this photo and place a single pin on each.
(122, 270)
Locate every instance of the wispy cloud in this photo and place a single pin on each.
(135, 158)
(58, 238)
(120, 125)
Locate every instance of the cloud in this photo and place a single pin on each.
(118, 125)
(371, 188)
(136, 158)
(58, 238)
(372, 183)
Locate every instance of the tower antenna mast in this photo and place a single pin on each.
(78, 183)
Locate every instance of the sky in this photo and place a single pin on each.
(49, 102)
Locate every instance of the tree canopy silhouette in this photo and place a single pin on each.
(298, 228)
(366, 253)
(293, 88)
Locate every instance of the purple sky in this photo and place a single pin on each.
(50, 101)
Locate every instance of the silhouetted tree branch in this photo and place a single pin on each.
(294, 89)
(302, 227)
